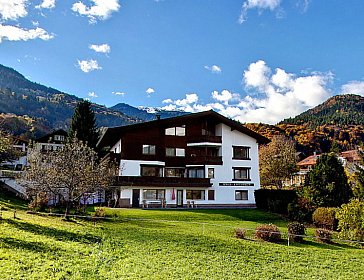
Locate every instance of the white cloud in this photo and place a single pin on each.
(103, 48)
(92, 94)
(119, 93)
(14, 33)
(88, 65)
(257, 75)
(225, 96)
(101, 10)
(214, 69)
(46, 4)
(353, 87)
(13, 9)
(150, 91)
(258, 4)
(275, 95)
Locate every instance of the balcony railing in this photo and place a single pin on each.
(204, 138)
(214, 160)
(167, 182)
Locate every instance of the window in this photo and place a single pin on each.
(211, 173)
(47, 147)
(174, 172)
(176, 131)
(196, 173)
(211, 195)
(175, 152)
(195, 194)
(207, 132)
(241, 195)
(241, 152)
(148, 149)
(58, 138)
(241, 173)
(154, 194)
(150, 170)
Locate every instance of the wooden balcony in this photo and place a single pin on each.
(214, 160)
(204, 139)
(164, 182)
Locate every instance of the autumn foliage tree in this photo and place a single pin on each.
(69, 173)
(7, 152)
(277, 161)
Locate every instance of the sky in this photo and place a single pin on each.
(250, 60)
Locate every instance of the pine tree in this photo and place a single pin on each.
(327, 184)
(83, 126)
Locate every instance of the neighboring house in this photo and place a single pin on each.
(18, 164)
(201, 159)
(349, 159)
(52, 141)
(304, 166)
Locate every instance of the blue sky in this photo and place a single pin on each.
(252, 60)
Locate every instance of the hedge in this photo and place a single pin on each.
(274, 200)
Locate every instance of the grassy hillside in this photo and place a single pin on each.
(166, 245)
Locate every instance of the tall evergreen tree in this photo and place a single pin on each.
(83, 125)
(327, 184)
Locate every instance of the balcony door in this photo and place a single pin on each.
(179, 198)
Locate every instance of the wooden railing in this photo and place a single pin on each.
(204, 138)
(162, 182)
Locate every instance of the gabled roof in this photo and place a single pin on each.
(352, 155)
(112, 134)
(45, 138)
(311, 160)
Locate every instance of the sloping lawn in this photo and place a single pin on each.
(166, 245)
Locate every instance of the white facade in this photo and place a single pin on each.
(228, 192)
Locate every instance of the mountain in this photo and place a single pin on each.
(45, 106)
(338, 123)
(340, 110)
(145, 113)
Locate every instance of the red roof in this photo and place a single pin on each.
(352, 155)
(308, 161)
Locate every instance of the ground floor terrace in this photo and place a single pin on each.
(182, 193)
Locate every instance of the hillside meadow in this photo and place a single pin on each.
(162, 244)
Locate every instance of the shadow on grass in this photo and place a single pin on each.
(10, 201)
(12, 243)
(327, 246)
(170, 232)
(58, 234)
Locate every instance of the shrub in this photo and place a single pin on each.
(296, 228)
(351, 220)
(99, 212)
(268, 233)
(240, 233)
(323, 235)
(324, 217)
(39, 202)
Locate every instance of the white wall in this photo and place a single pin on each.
(223, 173)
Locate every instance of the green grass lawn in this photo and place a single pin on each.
(167, 244)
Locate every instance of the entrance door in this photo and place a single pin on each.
(179, 198)
(136, 197)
